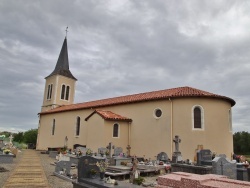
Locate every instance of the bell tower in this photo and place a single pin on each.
(60, 84)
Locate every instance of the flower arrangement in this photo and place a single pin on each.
(89, 152)
(6, 151)
(79, 153)
(102, 165)
(107, 152)
(92, 172)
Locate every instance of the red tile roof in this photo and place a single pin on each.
(108, 115)
(180, 92)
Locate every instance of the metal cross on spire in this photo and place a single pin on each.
(66, 31)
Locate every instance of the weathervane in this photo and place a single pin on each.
(66, 31)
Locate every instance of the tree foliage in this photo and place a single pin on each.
(241, 142)
(30, 136)
(18, 137)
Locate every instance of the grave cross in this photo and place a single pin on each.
(128, 148)
(177, 140)
(110, 147)
(11, 138)
(66, 141)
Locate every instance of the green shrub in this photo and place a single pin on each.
(139, 180)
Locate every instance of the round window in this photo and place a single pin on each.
(158, 113)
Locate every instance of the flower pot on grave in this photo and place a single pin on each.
(102, 174)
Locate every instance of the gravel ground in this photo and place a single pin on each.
(54, 181)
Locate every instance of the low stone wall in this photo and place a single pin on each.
(6, 158)
(187, 180)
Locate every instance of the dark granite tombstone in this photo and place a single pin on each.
(204, 157)
(241, 172)
(223, 166)
(63, 166)
(162, 157)
(85, 164)
(117, 151)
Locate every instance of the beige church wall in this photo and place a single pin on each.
(50, 80)
(216, 135)
(101, 133)
(149, 135)
(65, 126)
(67, 82)
(57, 82)
(122, 139)
(96, 130)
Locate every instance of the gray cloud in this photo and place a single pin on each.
(123, 47)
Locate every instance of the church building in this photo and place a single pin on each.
(143, 124)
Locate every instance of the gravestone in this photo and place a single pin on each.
(53, 154)
(1, 145)
(85, 164)
(62, 157)
(222, 166)
(204, 157)
(162, 157)
(176, 157)
(242, 172)
(102, 151)
(82, 149)
(117, 151)
(63, 166)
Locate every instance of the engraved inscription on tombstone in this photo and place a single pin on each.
(85, 164)
(204, 157)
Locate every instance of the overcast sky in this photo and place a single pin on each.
(123, 47)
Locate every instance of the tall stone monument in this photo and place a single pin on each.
(176, 157)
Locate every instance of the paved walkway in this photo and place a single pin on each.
(28, 173)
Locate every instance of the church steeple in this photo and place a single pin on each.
(60, 84)
(62, 65)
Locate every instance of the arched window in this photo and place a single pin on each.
(67, 93)
(53, 127)
(78, 123)
(49, 92)
(198, 117)
(115, 130)
(63, 92)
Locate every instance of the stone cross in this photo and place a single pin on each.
(66, 141)
(177, 140)
(110, 147)
(11, 138)
(128, 148)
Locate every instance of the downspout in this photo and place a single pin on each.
(171, 125)
(129, 134)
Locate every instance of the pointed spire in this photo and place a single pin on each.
(62, 65)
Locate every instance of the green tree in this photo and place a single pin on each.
(236, 140)
(30, 136)
(18, 137)
(241, 142)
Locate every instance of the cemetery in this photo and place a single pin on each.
(117, 166)
(112, 166)
(7, 150)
